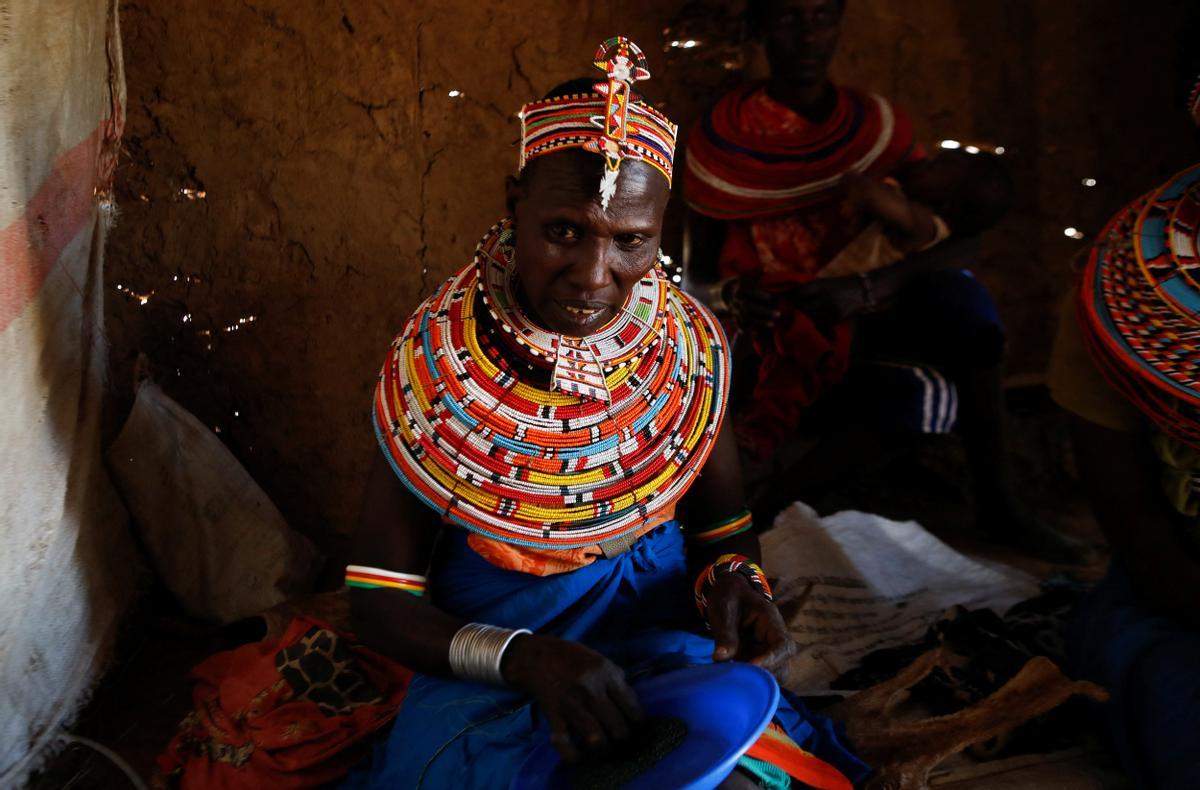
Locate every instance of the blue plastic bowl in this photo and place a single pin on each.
(726, 707)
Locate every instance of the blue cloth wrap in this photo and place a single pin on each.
(634, 608)
(1151, 667)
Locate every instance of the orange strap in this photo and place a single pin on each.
(775, 747)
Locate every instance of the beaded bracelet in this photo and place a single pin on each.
(476, 651)
(366, 578)
(725, 564)
(734, 525)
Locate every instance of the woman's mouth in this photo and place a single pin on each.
(582, 311)
(580, 318)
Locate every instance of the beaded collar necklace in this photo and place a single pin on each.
(619, 435)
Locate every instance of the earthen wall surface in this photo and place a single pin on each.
(297, 174)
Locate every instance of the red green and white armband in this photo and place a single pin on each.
(726, 564)
(366, 578)
(727, 528)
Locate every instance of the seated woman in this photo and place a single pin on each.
(1124, 367)
(543, 417)
(871, 355)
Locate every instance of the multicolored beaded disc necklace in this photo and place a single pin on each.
(613, 430)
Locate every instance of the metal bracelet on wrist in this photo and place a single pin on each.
(868, 289)
(477, 650)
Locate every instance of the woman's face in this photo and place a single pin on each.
(801, 37)
(577, 262)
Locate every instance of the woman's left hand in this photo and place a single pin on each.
(746, 626)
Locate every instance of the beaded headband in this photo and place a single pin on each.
(606, 122)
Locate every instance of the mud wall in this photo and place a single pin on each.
(296, 175)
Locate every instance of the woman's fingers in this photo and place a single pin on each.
(560, 736)
(773, 652)
(773, 645)
(616, 724)
(626, 699)
(753, 306)
(587, 731)
(723, 620)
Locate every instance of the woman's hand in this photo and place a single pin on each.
(752, 307)
(582, 694)
(830, 301)
(746, 626)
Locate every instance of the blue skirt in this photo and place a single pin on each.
(635, 608)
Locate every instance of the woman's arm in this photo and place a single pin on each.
(744, 624)
(397, 533)
(835, 299)
(907, 224)
(583, 695)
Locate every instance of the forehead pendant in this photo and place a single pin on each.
(623, 63)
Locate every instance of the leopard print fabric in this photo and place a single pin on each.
(321, 669)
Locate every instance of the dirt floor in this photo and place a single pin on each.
(135, 710)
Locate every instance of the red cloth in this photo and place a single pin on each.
(798, 362)
(285, 714)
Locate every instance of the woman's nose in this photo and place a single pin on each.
(590, 269)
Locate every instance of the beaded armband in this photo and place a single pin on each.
(734, 525)
(729, 563)
(376, 578)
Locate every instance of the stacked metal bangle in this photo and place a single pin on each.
(477, 650)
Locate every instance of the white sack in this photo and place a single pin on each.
(855, 582)
(215, 539)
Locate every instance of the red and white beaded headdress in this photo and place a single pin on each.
(607, 122)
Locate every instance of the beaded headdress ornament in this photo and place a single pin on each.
(1194, 102)
(608, 122)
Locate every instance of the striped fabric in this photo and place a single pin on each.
(911, 398)
(777, 749)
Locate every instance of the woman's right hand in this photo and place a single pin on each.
(584, 696)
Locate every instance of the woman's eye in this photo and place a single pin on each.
(561, 232)
(630, 240)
